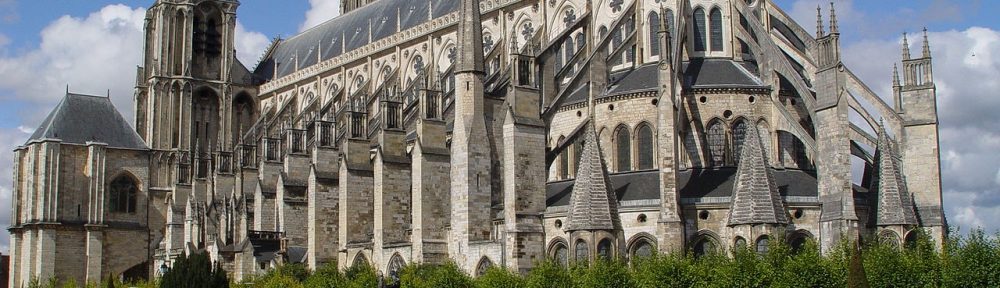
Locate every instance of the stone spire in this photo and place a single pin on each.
(906, 47)
(834, 27)
(927, 45)
(470, 35)
(894, 207)
(593, 204)
(819, 22)
(755, 197)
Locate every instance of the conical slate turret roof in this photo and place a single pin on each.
(593, 204)
(755, 197)
(894, 207)
(470, 35)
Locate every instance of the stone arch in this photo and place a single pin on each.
(699, 27)
(581, 250)
(716, 32)
(889, 237)
(911, 238)
(483, 265)
(739, 243)
(645, 150)
(705, 242)
(623, 148)
(243, 115)
(797, 239)
(762, 243)
(563, 161)
(523, 30)
(606, 249)
(123, 191)
(715, 136)
(396, 264)
(559, 251)
(641, 245)
(359, 259)
(414, 68)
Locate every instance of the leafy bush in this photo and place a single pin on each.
(549, 274)
(195, 271)
(432, 276)
(499, 277)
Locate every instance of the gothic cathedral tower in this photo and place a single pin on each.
(193, 102)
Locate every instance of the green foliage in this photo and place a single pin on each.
(327, 275)
(549, 274)
(361, 276)
(601, 274)
(194, 271)
(972, 261)
(499, 277)
(431, 276)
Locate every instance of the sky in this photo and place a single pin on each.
(94, 46)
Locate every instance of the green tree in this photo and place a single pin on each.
(195, 271)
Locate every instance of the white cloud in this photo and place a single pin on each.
(249, 45)
(320, 11)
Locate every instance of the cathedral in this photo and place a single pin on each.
(493, 133)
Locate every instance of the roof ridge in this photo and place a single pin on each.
(755, 198)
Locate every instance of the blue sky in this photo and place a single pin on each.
(94, 45)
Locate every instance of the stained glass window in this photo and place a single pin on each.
(699, 29)
(717, 143)
(645, 152)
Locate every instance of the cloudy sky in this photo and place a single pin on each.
(94, 46)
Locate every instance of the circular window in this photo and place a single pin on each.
(611, 107)
(727, 114)
(579, 114)
(558, 223)
(792, 101)
(655, 101)
(703, 214)
(641, 218)
(798, 213)
(703, 99)
(752, 99)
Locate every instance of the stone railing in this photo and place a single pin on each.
(296, 141)
(247, 156)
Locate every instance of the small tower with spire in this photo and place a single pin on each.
(827, 45)
(819, 23)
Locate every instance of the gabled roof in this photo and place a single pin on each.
(594, 205)
(895, 207)
(79, 119)
(755, 197)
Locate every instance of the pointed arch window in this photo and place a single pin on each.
(654, 31)
(122, 194)
(563, 161)
(484, 265)
(739, 134)
(396, 265)
(581, 41)
(624, 145)
(715, 23)
(642, 249)
(644, 153)
(604, 251)
(704, 246)
(699, 29)
(582, 251)
(717, 143)
(561, 254)
(762, 245)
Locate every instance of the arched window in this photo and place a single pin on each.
(577, 151)
(121, 195)
(242, 116)
(617, 41)
(797, 241)
(582, 251)
(889, 237)
(717, 143)
(654, 33)
(740, 243)
(699, 29)
(396, 265)
(762, 245)
(704, 246)
(484, 265)
(568, 50)
(581, 41)
(645, 152)
(560, 253)
(739, 134)
(911, 239)
(604, 250)
(642, 249)
(793, 152)
(359, 260)
(624, 146)
(715, 21)
(765, 139)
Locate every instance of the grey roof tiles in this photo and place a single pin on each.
(79, 119)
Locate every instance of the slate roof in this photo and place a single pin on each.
(894, 207)
(79, 119)
(594, 204)
(470, 33)
(694, 183)
(347, 32)
(755, 198)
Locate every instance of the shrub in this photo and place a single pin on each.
(430, 276)
(195, 271)
(601, 274)
(971, 261)
(499, 277)
(548, 274)
(327, 275)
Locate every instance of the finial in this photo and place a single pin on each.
(927, 45)
(67, 88)
(833, 19)
(895, 75)
(906, 47)
(819, 22)
(109, 93)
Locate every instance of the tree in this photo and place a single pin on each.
(195, 271)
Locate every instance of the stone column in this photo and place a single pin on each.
(431, 200)
(95, 253)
